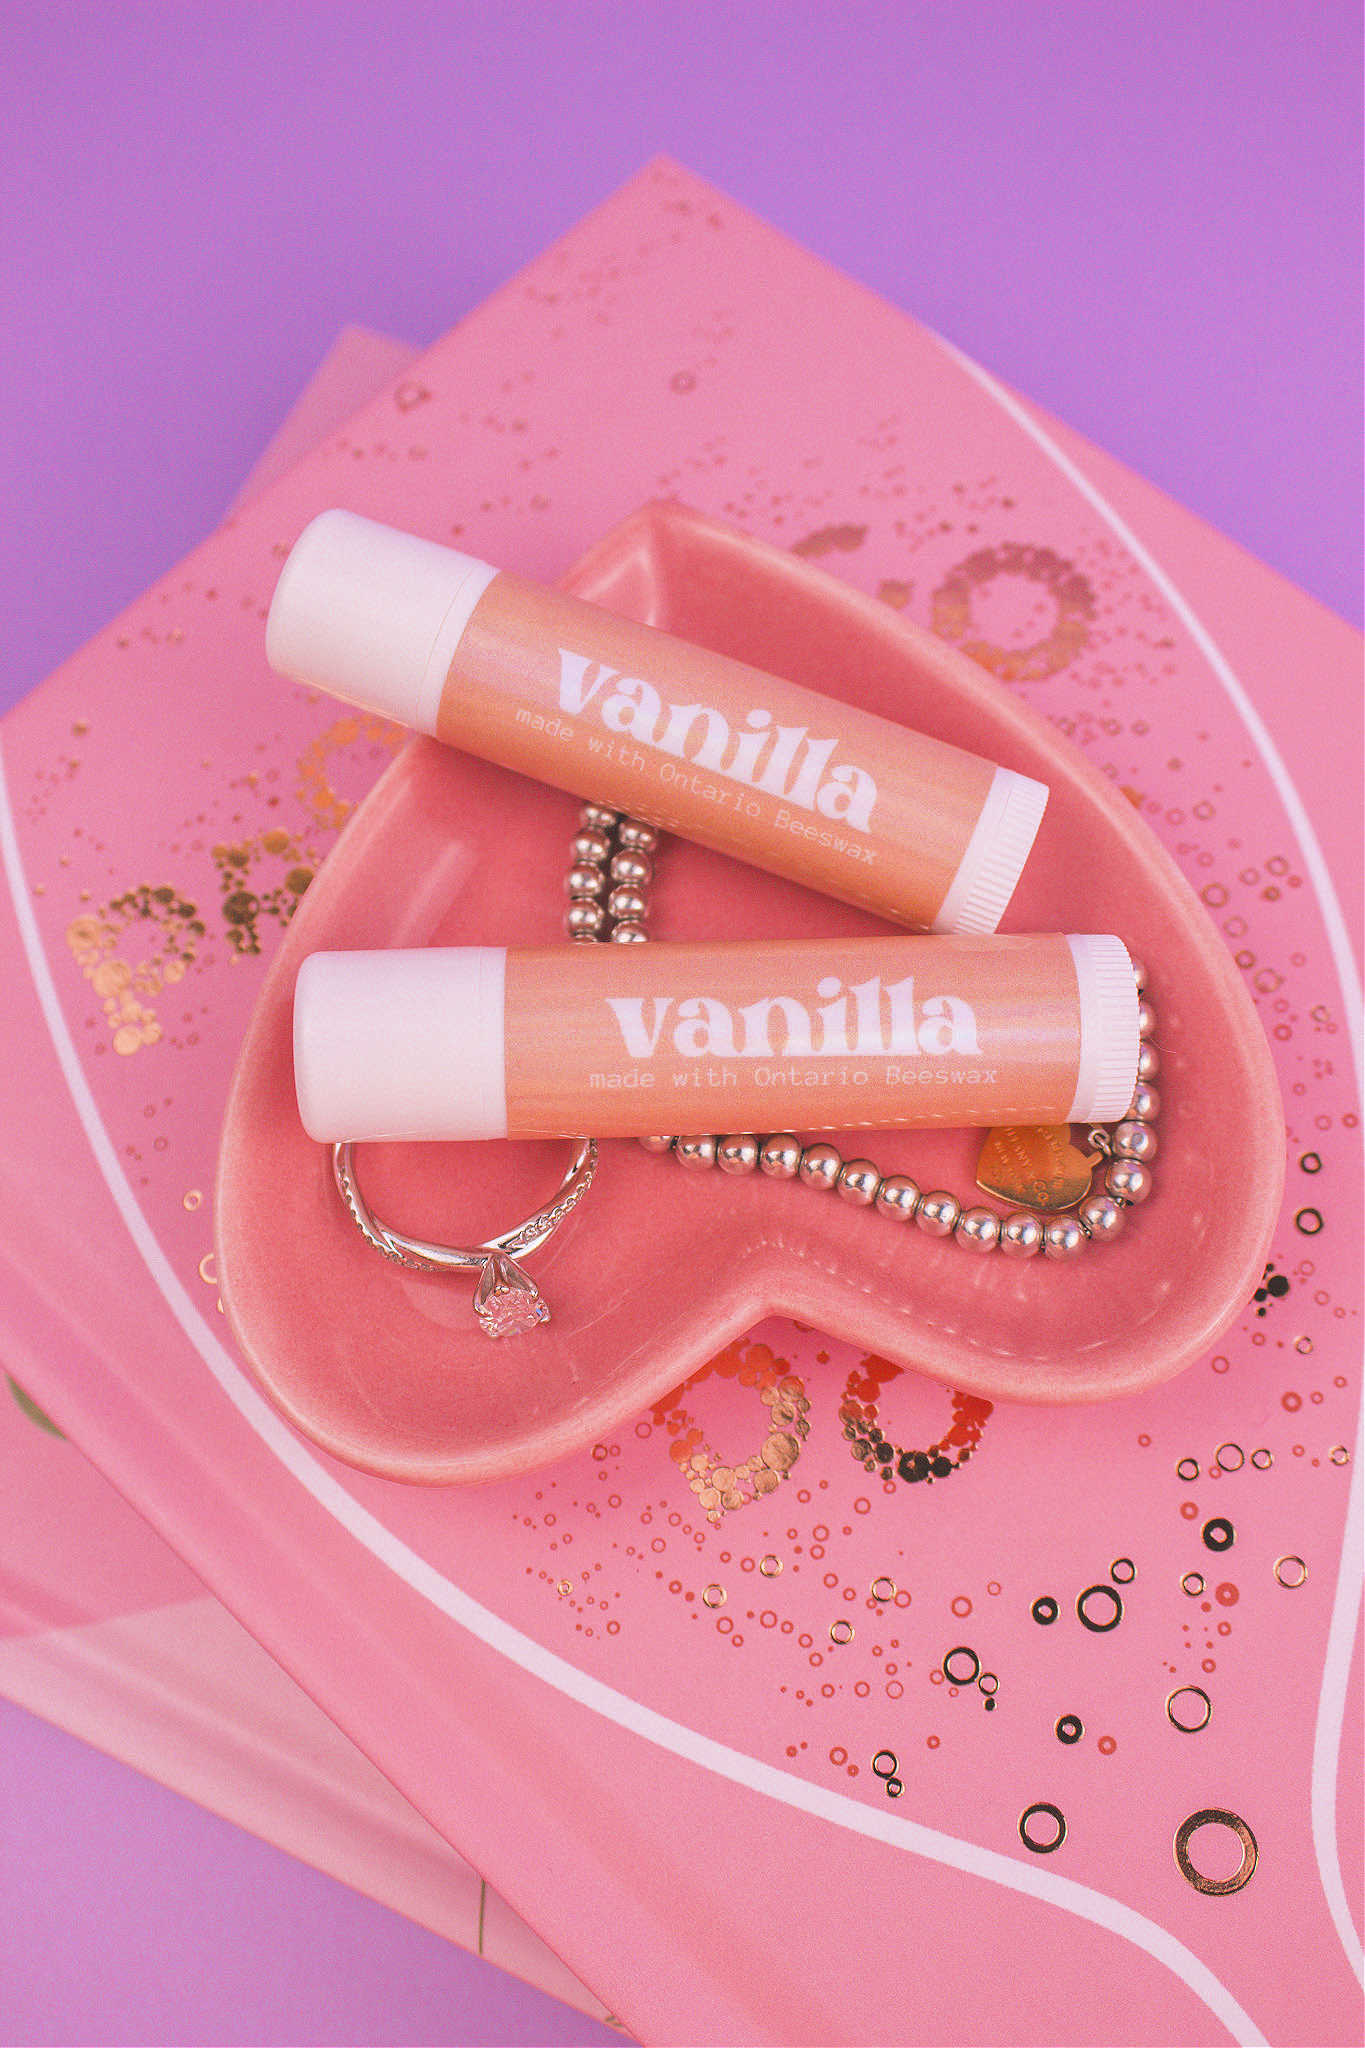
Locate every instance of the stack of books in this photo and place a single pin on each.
(569, 1719)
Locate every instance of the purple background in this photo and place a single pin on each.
(1144, 215)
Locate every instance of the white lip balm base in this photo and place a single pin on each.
(1107, 1073)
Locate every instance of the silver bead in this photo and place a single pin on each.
(584, 919)
(820, 1166)
(1021, 1235)
(635, 869)
(585, 878)
(695, 1152)
(1149, 1061)
(1101, 1218)
(1063, 1238)
(590, 846)
(978, 1229)
(1128, 1180)
(657, 1146)
(1132, 1140)
(630, 904)
(628, 933)
(938, 1213)
(780, 1156)
(1146, 1020)
(859, 1182)
(1146, 1104)
(1139, 974)
(634, 833)
(583, 938)
(898, 1197)
(597, 818)
(737, 1153)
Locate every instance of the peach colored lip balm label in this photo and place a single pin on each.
(626, 1040)
(714, 750)
(615, 711)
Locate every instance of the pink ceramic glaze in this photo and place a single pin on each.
(388, 1369)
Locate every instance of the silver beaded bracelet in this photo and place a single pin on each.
(608, 884)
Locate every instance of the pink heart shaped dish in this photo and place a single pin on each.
(657, 1269)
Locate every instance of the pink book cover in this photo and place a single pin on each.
(107, 1633)
(687, 1797)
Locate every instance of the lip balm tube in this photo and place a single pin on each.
(619, 713)
(485, 1042)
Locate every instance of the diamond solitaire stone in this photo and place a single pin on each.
(507, 1300)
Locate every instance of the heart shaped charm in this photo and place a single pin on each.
(1035, 1166)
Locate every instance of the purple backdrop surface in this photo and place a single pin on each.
(1145, 215)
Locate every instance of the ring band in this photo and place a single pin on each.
(506, 1300)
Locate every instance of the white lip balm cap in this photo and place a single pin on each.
(1001, 842)
(372, 615)
(1107, 1073)
(401, 1044)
